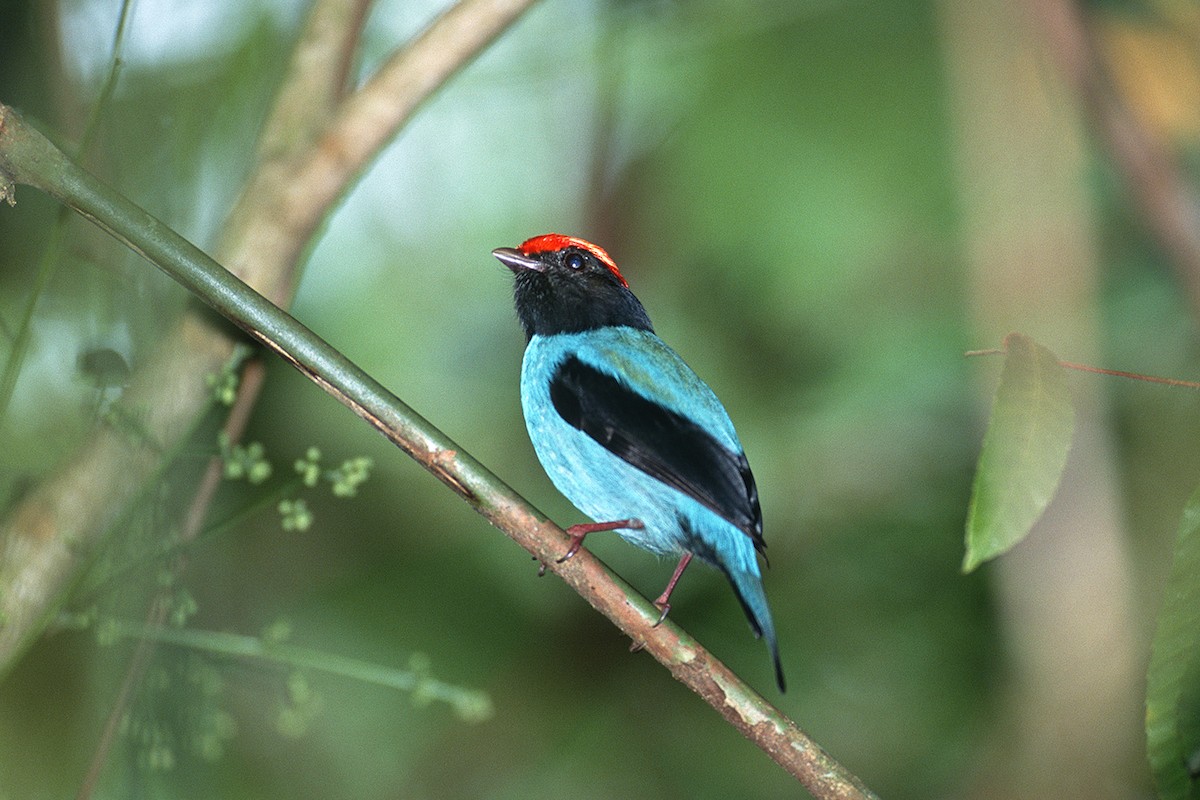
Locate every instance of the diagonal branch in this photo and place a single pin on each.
(29, 158)
(312, 150)
(302, 188)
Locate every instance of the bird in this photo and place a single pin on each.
(626, 430)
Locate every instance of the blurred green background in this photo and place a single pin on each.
(822, 205)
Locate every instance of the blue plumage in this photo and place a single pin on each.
(625, 429)
(602, 485)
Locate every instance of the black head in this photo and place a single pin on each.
(567, 285)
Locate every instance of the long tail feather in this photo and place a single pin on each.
(749, 591)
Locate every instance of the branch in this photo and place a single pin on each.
(29, 157)
(303, 188)
(306, 163)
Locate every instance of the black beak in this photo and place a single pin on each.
(517, 261)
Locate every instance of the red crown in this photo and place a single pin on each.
(550, 242)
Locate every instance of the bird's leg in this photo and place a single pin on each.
(663, 603)
(580, 531)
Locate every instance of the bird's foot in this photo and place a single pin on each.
(662, 605)
(577, 538)
(663, 601)
(579, 532)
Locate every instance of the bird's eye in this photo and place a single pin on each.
(574, 261)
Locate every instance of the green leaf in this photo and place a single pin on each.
(1024, 451)
(1173, 682)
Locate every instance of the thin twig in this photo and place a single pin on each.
(1116, 373)
(134, 672)
(232, 645)
(235, 425)
(1137, 376)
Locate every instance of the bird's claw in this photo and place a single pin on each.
(576, 544)
(665, 608)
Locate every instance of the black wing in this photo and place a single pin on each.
(660, 442)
